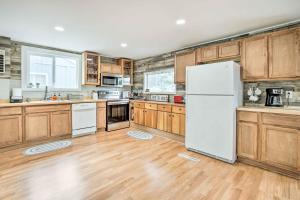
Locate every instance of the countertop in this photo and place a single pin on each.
(159, 102)
(41, 103)
(291, 110)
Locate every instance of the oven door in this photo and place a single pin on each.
(117, 114)
(111, 80)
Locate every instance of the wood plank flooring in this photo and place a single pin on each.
(115, 166)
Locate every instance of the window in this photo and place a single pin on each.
(159, 81)
(57, 70)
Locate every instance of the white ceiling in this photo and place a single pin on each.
(148, 26)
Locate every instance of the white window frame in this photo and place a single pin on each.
(27, 51)
(154, 72)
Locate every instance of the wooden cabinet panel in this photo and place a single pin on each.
(106, 68)
(292, 121)
(37, 126)
(280, 146)
(209, 53)
(151, 106)
(284, 54)
(164, 121)
(247, 140)
(255, 58)
(139, 116)
(139, 105)
(91, 68)
(11, 130)
(178, 124)
(101, 117)
(181, 61)
(101, 105)
(229, 49)
(150, 118)
(52, 108)
(247, 116)
(60, 123)
(178, 109)
(11, 111)
(164, 108)
(116, 69)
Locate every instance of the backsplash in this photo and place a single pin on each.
(286, 85)
(12, 77)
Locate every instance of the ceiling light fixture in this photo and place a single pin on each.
(59, 28)
(123, 44)
(180, 21)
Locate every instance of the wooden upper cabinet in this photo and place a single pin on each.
(105, 68)
(255, 58)
(209, 53)
(247, 140)
(60, 123)
(284, 54)
(229, 49)
(111, 68)
(11, 130)
(181, 61)
(116, 69)
(281, 147)
(91, 69)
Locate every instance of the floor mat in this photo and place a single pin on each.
(43, 148)
(140, 135)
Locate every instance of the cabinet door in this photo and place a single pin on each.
(60, 123)
(139, 116)
(116, 69)
(150, 118)
(164, 121)
(101, 117)
(178, 124)
(11, 130)
(255, 58)
(106, 68)
(37, 126)
(181, 61)
(229, 49)
(284, 54)
(281, 147)
(209, 53)
(247, 140)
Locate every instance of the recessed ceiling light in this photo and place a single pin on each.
(59, 28)
(123, 44)
(180, 21)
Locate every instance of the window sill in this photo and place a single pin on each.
(50, 90)
(168, 93)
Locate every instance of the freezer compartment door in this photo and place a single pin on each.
(215, 79)
(211, 125)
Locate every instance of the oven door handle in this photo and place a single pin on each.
(117, 103)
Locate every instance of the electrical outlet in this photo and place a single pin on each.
(289, 94)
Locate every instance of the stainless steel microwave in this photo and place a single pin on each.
(112, 80)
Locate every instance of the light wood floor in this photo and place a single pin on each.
(115, 166)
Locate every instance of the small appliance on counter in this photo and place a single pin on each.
(159, 97)
(274, 97)
(178, 99)
(16, 96)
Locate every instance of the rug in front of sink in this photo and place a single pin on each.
(44, 148)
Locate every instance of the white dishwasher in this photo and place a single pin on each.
(83, 119)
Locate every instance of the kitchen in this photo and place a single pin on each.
(214, 116)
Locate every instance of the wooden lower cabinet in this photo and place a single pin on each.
(164, 121)
(281, 147)
(11, 130)
(150, 118)
(101, 117)
(37, 126)
(139, 116)
(60, 123)
(247, 140)
(178, 124)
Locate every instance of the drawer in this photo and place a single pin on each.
(178, 109)
(247, 116)
(164, 108)
(11, 111)
(139, 105)
(281, 120)
(52, 108)
(101, 105)
(151, 106)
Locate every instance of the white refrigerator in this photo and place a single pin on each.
(213, 92)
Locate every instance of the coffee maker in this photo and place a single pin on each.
(274, 97)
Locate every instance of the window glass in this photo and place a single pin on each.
(159, 81)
